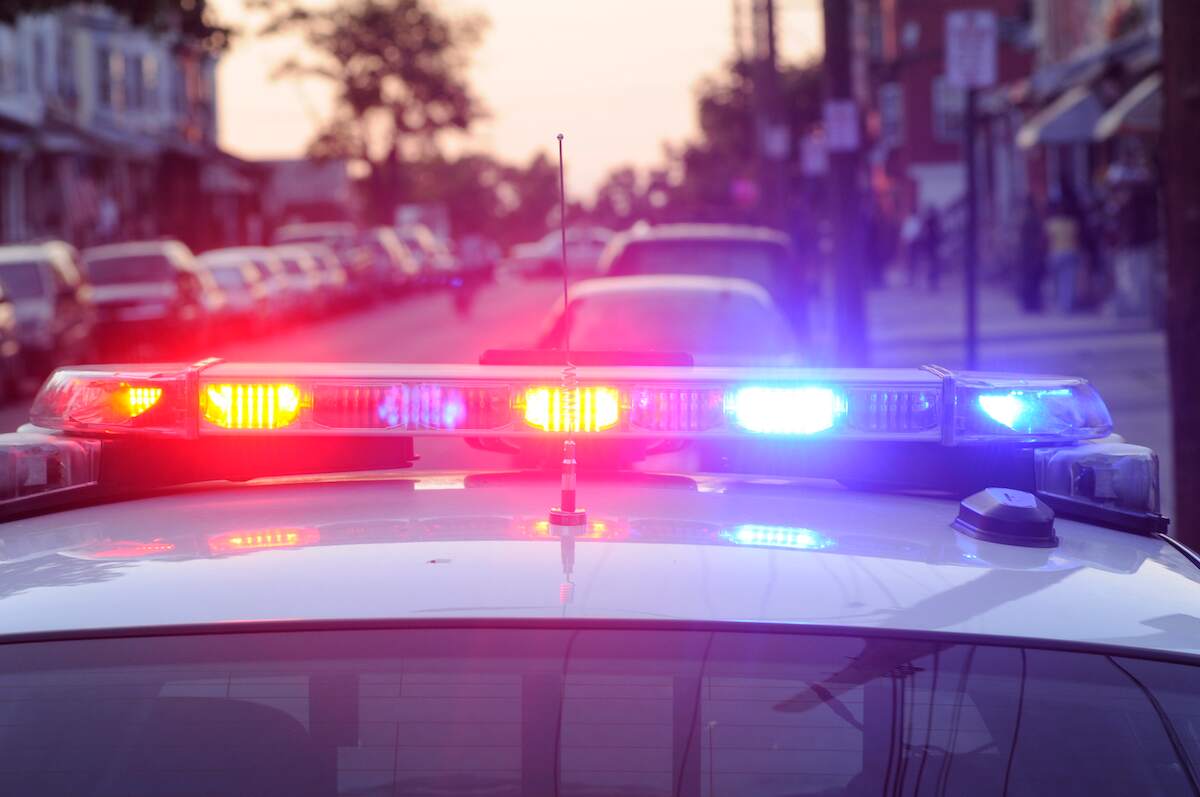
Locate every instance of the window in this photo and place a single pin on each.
(949, 107)
(23, 280)
(127, 269)
(66, 68)
(104, 76)
(651, 711)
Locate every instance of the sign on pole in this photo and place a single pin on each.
(971, 38)
(841, 126)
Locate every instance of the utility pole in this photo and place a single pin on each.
(1181, 176)
(772, 144)
(843, 132)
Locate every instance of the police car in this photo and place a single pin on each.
(229, 579)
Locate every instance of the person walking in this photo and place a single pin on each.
(931, 244)
(1062, 236)
(1031, 270)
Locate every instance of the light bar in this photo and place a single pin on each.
(522, 402)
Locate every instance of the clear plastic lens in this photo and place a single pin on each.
(1035, 412)
(677, 409)
(34, 464)
(887, 410)
(114, 402)
(1112, 474)
(410, 407)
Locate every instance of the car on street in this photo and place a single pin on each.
(247, 297)
(331, 275)
(52, 302)
(391, 267)
(543, 257)
(304, 278)
(284, 303)
(757, 254)
(437, 264)
(152, 295)
(12, 357)
(235, 578)
(716, 320)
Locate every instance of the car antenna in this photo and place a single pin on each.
(567, 517)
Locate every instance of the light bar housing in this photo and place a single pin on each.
(652, 403)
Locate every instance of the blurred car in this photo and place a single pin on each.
(337, 234)
(304, 278)
(585, 245)
(55, 318)
(12, 362)
(331, 275)
(392, 266)
(283, 301)
(152, 294)
(717, 320)
(757, 254)
(246, 294)
(436, 263)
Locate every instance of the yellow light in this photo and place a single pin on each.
(251, 406)
(594, 409)
(132, 401)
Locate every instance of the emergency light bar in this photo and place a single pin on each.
(215, 399)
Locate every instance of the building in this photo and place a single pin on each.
(108, 132)
(919, 147)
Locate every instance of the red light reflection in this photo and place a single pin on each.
(132, 549)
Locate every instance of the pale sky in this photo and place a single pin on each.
(617, 77)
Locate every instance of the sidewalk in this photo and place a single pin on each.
(1125, 358)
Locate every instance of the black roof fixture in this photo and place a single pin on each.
(1008, 517)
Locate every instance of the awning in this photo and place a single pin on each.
(1139, 111)
(1068, 120)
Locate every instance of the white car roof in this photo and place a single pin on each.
(24, 253)
(423, 546)
(135, 249)
(668, 283)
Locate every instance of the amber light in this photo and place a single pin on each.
(262, 540)
(592, 410)
(253, 406)
(133, 400)
(132, 549)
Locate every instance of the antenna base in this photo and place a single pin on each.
(562, 517)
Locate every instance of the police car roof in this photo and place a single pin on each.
(412, 546)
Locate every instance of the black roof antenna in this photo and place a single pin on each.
(567, 518)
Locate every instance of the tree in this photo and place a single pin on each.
(399, 68)
(192, 18)
(1181, 176)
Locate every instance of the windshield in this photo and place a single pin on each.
(23, 280)
(126, 269)
(697, 322)
(588, 712)
(292, 266)
(229, 277)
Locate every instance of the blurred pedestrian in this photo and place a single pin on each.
(1135, 236)
(910, 244)
(1062, 240)
(931, 246)
(1031, 270)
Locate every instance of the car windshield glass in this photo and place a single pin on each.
(588, 711)
(229, 277)
(130, 268)
(752, 260)
(23, 280)
(697, 322)
(264, 268)
(292, 266)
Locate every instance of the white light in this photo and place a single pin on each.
(784, 410)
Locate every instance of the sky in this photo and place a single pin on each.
(616, 77)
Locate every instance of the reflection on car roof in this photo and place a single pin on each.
(669, 283)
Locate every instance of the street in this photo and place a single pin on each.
(1125, 360)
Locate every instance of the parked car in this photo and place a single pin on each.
(152, 295)
(304, 278)
(543, 257)
(757, 254)
(12, 365)
(284, 302)
(437, 264)
(246, 295)
(347, 243)
(392, 265)
(53, 307)
(331, 275)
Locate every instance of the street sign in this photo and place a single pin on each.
(971, 42)
(841, 126)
